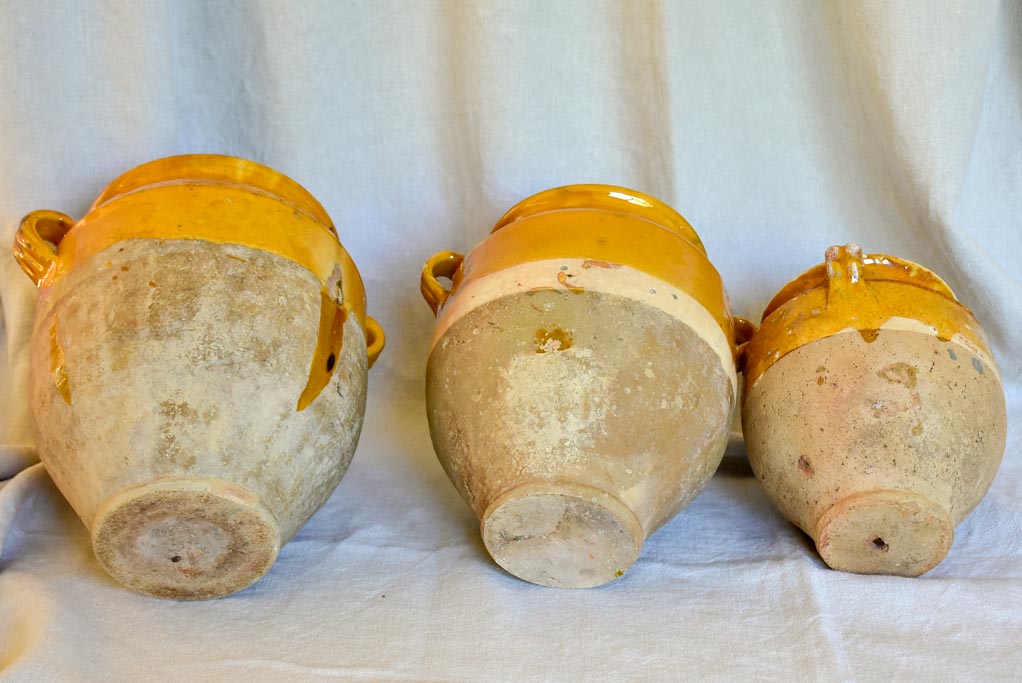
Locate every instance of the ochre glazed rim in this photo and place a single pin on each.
(643, 233)
(875, 268)
(216, 168)
(313, 245)
(852, 291)
(607, 197)
(171, 199)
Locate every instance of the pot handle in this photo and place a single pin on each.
(442, 264)
(375, 340)
(845, 277)
(35, 244)
(744, 329)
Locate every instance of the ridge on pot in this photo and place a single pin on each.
(198, 368)
(873, 411)
(581, 379)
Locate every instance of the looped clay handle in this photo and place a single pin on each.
(444, 264)
(375, 340)
(35, 244)
(744, 329)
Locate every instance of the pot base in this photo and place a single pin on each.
(884, 532)
(562, 535)
(187, 539)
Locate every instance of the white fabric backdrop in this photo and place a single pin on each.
(776, 127)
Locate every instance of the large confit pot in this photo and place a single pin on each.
(581, 379)
(198, 368)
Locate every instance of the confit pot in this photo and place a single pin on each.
(581, 378)
(198, 368)
(873, 411)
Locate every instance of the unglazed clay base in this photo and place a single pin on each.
(884, 532)
(561, 535)
(185, 539)
(213, 398)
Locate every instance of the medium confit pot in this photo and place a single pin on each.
(198, 368)
(873, 411)
(581, 378)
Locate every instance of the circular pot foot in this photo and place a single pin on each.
(561, 534)
(186, 539)
(884, 532)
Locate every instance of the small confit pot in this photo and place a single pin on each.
(581, 379)
(198, 368)
(873, 412)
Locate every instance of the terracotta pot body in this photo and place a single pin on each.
(873, 412)
(581, 382)
(198, 369)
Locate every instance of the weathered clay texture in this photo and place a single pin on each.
(167, 386)
(575, 421)
(878, 444)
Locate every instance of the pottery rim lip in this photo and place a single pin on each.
(215, 168)
(600, 196)
(213, 171)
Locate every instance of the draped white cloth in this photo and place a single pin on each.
(776, 127)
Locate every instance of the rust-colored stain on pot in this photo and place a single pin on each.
(900, 373)
(553, 340)
(596, 263)
(869, 336)
(562, 278)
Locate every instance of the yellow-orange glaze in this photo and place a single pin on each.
(332, 317)
(57, 366)
(608, 197)
(204, 197)
(855, 291)
(608, 226)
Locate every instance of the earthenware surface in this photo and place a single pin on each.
(777, 128)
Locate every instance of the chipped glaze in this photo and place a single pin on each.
(198, 368)
(581, 379)
(873, 412)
